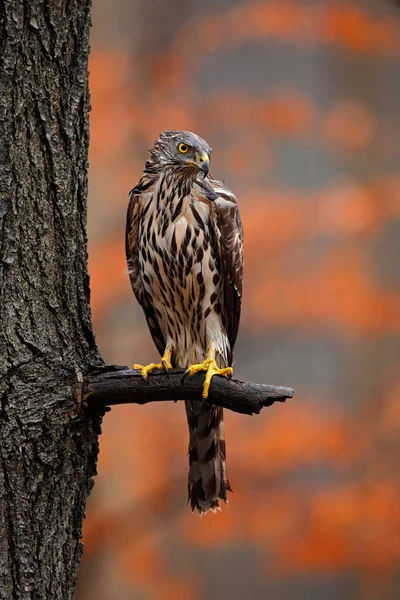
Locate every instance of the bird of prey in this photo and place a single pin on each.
(184, 248)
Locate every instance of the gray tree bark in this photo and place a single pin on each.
(47, 455)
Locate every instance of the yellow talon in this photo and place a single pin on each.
(210, 366)
(165, 363)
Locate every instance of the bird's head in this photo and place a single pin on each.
(180, 149)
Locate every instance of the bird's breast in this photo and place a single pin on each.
(180, 266)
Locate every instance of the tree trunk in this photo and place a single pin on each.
(47, 455)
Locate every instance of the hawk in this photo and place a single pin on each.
(184, 248)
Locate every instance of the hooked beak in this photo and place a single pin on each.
(205, 167)
(203, 162)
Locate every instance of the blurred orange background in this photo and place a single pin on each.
(300, 101)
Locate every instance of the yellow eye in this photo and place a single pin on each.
(183, 148)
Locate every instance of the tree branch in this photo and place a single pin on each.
(120, 385)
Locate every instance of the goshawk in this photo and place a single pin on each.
(184, 247)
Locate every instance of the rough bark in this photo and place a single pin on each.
(47, 457)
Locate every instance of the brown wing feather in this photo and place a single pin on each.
(132, 241)
(230, 238)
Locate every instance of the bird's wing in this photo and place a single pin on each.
(132, 241)
(228, 226)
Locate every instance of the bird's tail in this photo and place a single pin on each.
(207, 469)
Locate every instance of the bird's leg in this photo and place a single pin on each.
(165, 363)
(210, 367)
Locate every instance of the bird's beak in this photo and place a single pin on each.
(203, 162)
(205, 167)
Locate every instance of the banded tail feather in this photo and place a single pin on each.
(207, 481)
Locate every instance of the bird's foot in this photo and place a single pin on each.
(165, 363)
(211, 369)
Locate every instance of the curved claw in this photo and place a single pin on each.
(143, 370)
(165, 363)
(211, 369)
(186, 373)
(166, 367)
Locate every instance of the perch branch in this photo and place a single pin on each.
(119, 385)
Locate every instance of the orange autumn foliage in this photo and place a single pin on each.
(339, 24)
(350, 126)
